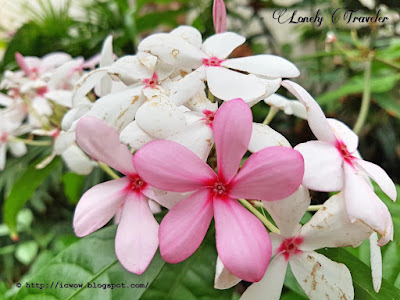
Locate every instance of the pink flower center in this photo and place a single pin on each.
(290, 246)
(151, 82)
(208, 117)
(212, 61)
(41, 90)
(220, 189)
(137, 184)
(3, 137)
(347, 156)
(55, 133)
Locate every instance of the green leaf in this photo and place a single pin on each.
(355, 85)
(361, 275)
(91, 260)
(388, 103)
(191, 279)
(22, 190)
(73, 184)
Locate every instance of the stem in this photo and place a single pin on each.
(108, 170)
(314, 208)
(366, 98)
(271, 114)
(263, 219)
(31, 142)
(210, 96)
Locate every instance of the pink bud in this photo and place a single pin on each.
(219, 16)
(22, 63)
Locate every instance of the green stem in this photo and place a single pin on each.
(31, 142)
(259, 215)
(366, 99)
(314, 208)
(210, 96)
(108, 170)
(271, 114)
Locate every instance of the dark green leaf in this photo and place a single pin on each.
(388, 103)
(91, 260)
(22, 190)
(73, 184)
(361, 275)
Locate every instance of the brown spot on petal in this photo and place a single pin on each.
(175, 53)
(134, 99)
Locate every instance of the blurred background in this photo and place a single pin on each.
(335, 60)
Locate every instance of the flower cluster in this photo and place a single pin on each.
(148, 116)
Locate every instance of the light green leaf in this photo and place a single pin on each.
(22, 190)
(26, 252)
(91, 260)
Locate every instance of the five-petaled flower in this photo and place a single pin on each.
(270, 174)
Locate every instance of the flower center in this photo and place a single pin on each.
(208, 117)
(137, 184)
(342, 148)
(151, 82)
(220, 188)
(290, 246)
(212, 61)
(41, 90)
(3, 137)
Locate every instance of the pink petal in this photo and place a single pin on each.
(101, 142)
(184, 227)
(172, 167)
(243, 243)
(323, 166)
(362, 204)
(22, 63)
(316, 118)
(219, 16)
(98, 205)
(232, 128)
(270, 174)
(136, 241)
(345, 134)
(380, 177)
(271, 284)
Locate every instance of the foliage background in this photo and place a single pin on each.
(40, 204)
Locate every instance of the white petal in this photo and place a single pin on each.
(322, 166)
(3, 153)
(148, 60)
(222, 44)
(5, 100)
(224, 279)
(320, 276)
(118, 109)
(61, 76)
(362, 204)
(77, 161)
(17, 149)
(64, 141)
(189, 34)
(42, 106)
(107, 54)
(266, 65)
(129, 70)
(160, 118)
(62, 97)
(12, 116)
(331, 227)
(290, 107)
(264, 136)
(316, 118)
(200, 102)
(227, 84)
(380, 177)
(288, 212)
(187, 87)
(172, 50)
(376, 262)
(74, 114)
(164, 198)
(53, 60)
(270, 287)
(134, 136)
(345, 134)
(86, 84)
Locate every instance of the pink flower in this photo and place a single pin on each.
(219, 16)
(270, 174)
(137, 236)
(333, 164)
